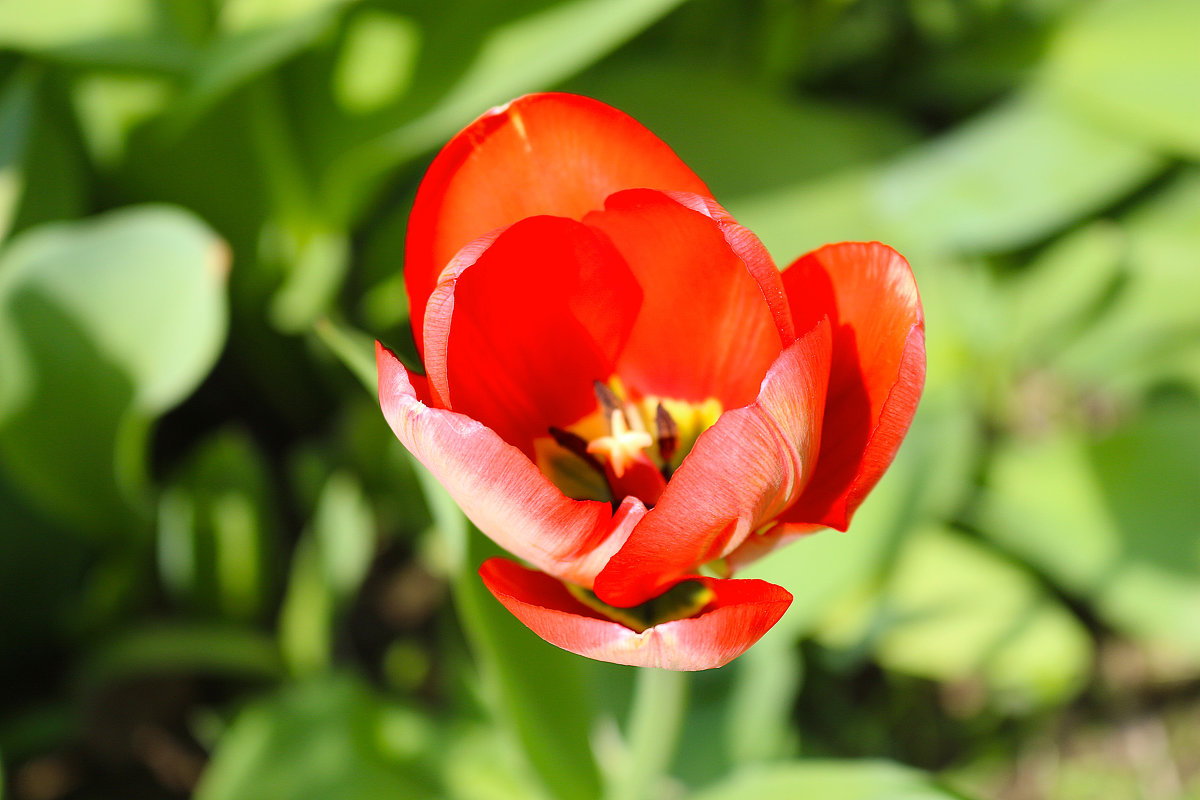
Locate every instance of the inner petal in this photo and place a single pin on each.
(704, 329)
(516, 337)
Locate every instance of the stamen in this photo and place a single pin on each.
(607, 398)
(576, 445)
(668, 434)
(622, 446)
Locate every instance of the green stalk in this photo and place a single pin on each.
(655, 721)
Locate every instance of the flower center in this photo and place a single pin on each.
(625, 447)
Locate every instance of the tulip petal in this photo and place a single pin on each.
(742, 472)
(551, 153)
(869, 294)
(498, 487)
(740, 613)
(705, 328)
(522, 324)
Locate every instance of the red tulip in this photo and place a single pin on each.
(622, 389)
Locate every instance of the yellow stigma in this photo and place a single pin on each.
(622, 446)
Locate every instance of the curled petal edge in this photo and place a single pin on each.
(743, 472)
(739, 614)
(498, 487)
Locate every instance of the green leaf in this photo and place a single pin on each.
(180, 648)
(1150, 328)
(54, 24)
(216, 534)
(1007, 178)
(1062, 288)
(1134, 65)
(332, 737)
(526, 54)
(537, 688)
(951, 610)
(741, 138)
(840, 780)
(1004, 179)
(16, 110)
(1112, 519)
(103, 324)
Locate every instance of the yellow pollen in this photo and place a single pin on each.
(622, 446)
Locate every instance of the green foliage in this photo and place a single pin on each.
(202, 218)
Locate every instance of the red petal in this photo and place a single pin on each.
(498, 488)
(868, 292)
(741, 612)
(522, 325)
(742, 472)
(705, 329)
(554, 154)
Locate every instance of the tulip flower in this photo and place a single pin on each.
(623, 391)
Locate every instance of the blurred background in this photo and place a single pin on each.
(221, 575)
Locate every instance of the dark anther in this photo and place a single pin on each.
(668, 434)
(607, 399)
(576, 444)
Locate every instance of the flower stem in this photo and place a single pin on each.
(655, 720)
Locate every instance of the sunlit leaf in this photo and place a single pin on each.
(1007, 178)
(951, 610)
(1133, 65)
(526, 54)
(103, 324)
(1112, 519)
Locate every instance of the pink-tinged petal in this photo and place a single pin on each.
(521, 326)
(705, 328)
(498, 487)
(868, 292)
(553, 154)
(741, 473)
(740, 613)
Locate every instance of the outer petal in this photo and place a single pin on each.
(705, 328)
(554, 154)
(523, 321)
(869, 294)
(742, 472)
(742, 611)
(498, 488)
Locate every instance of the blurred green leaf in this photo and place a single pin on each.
(1007, 178)
(844, 780)
(181, 649)
(216, 531)
(537, 688)
(1058, 293)
(16, 110)
(1004, 179)
(951, 610)
(344, 527)
(1152, 321)
(103, 324)
(307, 616)
(325, 738)
(739, 137)
(1134, 65)
(329, 565)
(51, 24)
(1112, 519)
(520, 56)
